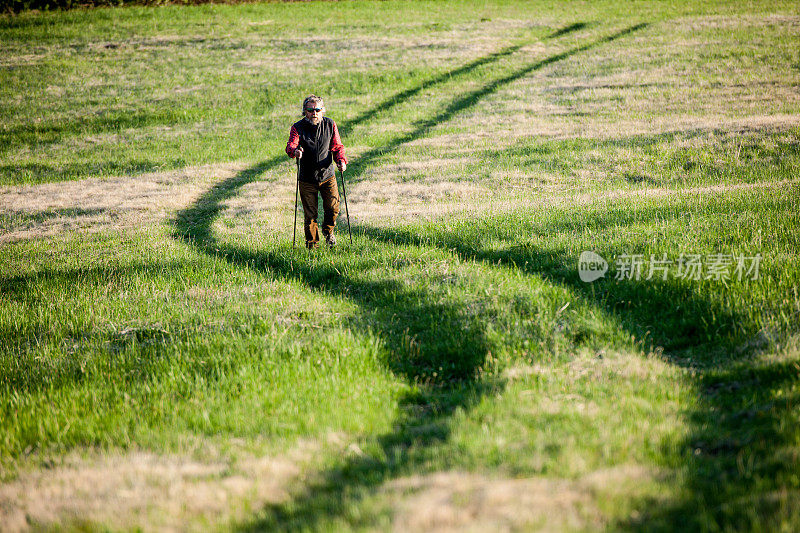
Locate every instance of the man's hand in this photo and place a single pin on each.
(298, 153)
(342, 166)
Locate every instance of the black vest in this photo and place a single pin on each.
(317, 164)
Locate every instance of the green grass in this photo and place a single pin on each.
(452, 348)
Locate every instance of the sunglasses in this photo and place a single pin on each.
(311, 110)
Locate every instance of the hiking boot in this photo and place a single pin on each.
(330, 238)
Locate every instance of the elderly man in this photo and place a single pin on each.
(315, 142)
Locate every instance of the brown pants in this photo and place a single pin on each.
(330, 207)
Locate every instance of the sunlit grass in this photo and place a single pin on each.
(452, 348)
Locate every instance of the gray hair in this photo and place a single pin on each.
(312, 98)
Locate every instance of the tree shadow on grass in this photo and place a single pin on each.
(194, 226)
(440, 349)
(661, 314)
(738, 463)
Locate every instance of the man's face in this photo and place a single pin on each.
(313, 112)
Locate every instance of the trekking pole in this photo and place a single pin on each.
(296, 192)
(344, 191)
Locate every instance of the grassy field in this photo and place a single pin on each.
(169, 360)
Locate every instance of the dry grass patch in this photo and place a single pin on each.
(596, 366)
(661, 192)
(535, 200)
(591, 367)
(430, 202)
(386, 199)
(269, 199)
(455, 501)
(10, 60)
(97, 204)
(152, 492)
(430, 167)
(693, 24)
(625, 365)
(462, 143)
(508, 129)
(94, 204)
